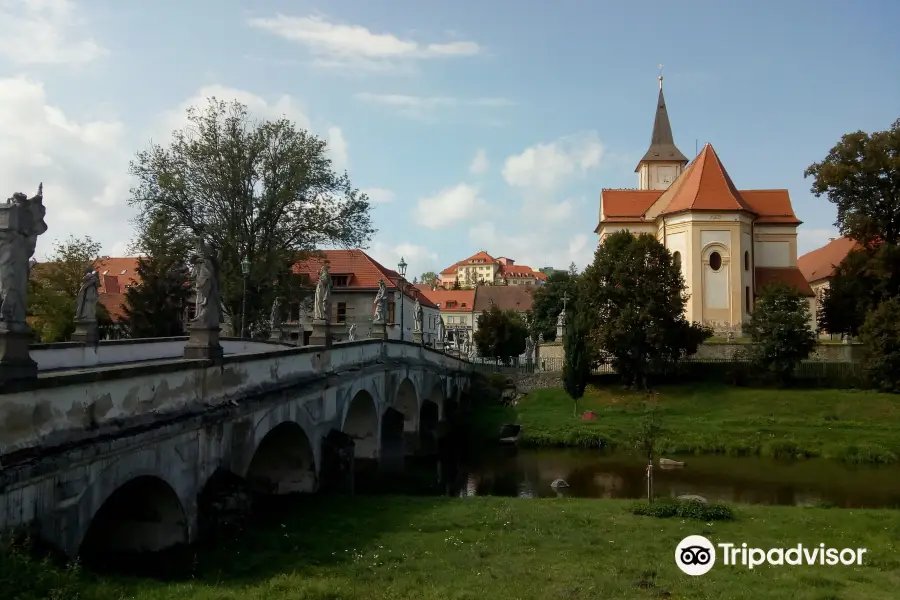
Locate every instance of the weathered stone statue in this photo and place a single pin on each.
(442, 329)
(561, 319)
(322, 304)
(21, 222)
(417, 315)
(204, 328)
(351, 333)
(540, 339)
(529, 349)
(275, 315)
(86, 299)
(379, 315)
(206, 264)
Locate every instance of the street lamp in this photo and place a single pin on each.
(245, 271)
(401, 268)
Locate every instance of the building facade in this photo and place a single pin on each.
(729, 243)
(484, 269)
(457, 308)
(354, 277)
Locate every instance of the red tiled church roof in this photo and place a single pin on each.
(788, 275)
(820, 263)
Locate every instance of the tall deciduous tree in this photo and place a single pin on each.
(880, 336)
(633, 296)
(861, 176)
(548, 301)
(429, 278)
(264, 190)
(863, 280)
(53, 287)
(780, 330)
(501, 334)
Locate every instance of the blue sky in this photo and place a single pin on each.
(479, 125)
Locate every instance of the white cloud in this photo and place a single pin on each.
(45, 32)
(342, 45)
(809, 239)
(449, 205)
(378, 195)
(82, 163)
(337, 147)
(418, 258)
(480, 163)
(543, 168)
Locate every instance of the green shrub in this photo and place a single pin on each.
(664, 508)
(35, 578)
(880, 336)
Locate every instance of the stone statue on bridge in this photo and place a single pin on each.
(322, 305)
(21, 222)
(529, 349)
(379, 315)
(417, 316)
(206, 265)
(86, 299)
(275, 315)
(441, 330)
(351, 333)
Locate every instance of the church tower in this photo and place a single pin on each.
(663, 162)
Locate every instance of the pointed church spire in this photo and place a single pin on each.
(662, 143)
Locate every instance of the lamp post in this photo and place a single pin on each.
(401, 268)
(245, 271)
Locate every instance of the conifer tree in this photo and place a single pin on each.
(577, 363)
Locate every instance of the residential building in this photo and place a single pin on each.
(728, 242)
(818, 266)
(117, 274)
(482, 268)
(354, 277)
(457, 308)
(506, 297)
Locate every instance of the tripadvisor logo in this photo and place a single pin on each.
(696, 555)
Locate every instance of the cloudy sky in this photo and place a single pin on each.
(472, 124)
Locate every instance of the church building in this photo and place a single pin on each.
(730, 243)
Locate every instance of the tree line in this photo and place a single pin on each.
(260, 191)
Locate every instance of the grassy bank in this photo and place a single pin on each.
(395, 548)
(849, 425)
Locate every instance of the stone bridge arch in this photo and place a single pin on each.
(130, 507)
(361, 421)
(284, 452)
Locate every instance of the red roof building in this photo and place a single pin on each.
(483, 269)
(729, 242)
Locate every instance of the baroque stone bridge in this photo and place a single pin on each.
(112, 445)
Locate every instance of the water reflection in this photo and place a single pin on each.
(528, 474)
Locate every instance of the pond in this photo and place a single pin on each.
(749, 480)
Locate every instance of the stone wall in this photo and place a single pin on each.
(526, 382)
(554, 353)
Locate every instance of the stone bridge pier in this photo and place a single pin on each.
(119, 461)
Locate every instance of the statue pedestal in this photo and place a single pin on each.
(203, 343)
(15, 361)
(439, 345)
(86, 333)
(378, 331)
(417, 337)
(276, 335)
(321, 333)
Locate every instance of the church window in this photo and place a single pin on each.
(747, 298)
(676, 258)
(746, 260)
(715, 261)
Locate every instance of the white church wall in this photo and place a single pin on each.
(722, 237)
(747, 266)
(773, 253)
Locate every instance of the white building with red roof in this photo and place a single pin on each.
(484, 269)
(354, 278)
(730, 243)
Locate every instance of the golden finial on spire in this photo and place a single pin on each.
(660, 76)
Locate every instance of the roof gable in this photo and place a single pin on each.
(704, 185)
(820, 263)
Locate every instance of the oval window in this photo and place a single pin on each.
(715, 261)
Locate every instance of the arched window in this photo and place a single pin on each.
(715, 261)
(746, 260)
(676, 258)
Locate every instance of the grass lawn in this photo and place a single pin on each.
(394, 548)
(855, 426)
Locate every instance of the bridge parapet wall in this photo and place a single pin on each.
(65, 408)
